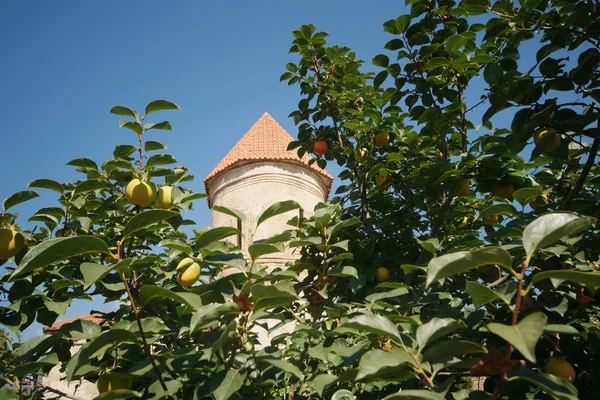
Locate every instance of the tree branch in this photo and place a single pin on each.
(584, 173)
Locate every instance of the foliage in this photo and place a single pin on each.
(490, 281)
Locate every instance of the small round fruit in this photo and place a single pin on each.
(466, 221)
(489, 272)
(189, 275)
(320, 147)
(11, 242)
(382, 138)
(112, 381)
(560, 367)
(505, 190)
(163, 198)
(380, 179)
(140, 193)
(439, 155)
(361, 155)
(382, 274)
(491, 220)
(183, 264)
(465, 188)
(552, 141)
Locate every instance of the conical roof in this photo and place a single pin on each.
(266, 140)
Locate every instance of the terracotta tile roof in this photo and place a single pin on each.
(266, 140)
(95, 317)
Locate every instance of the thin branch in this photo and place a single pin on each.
(585, 172)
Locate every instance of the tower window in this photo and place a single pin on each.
(239, 237)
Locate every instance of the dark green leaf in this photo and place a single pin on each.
(237, 214)
(550, 228)
(525, 195)
(132, 125)
(232, 382)
(591, 279)
(151, 145)
(271, 296)
(85, 163)
(283, 365)
(276, 209)
(436, 63)
(47, 184)
(452, 348)
(257, 250)
(436, 328)
(557, 387)
(482, 294)
(160, 159)
(145, 219)
(159, 105)
(125, 111)
(90, 185)
(92, 272)
(523, 336)
(213, 234)
(379, 364)
(371, 323)
(402, 23)
(206, 315)
(381, 60)
(18, 198)
(53, 250)
(163, 126)
(150, 292)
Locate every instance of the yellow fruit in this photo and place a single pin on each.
(189, 275)
(183, 264)
(465, 222)
(382, 138)
(112, 381)
(560, 367)
(505, 190)
(361, 155)
(382, 274)
(11, 242)
(491, 220)
(465, 188)
(551, 143)
(439, 155)
(140, 193)
(163, 198)
(489, 272)
(535, 203)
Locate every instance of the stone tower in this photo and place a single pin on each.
(258, 172)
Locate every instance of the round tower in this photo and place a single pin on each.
(258, 172)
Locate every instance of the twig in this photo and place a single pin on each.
(421, 371)
(584, 173)
(51, 389)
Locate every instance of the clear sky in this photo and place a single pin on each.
(65, 63)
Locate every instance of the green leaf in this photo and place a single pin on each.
(462, 261)
(93, 272)
(87, 351)
(53, 250)
(449, 349)
(85, 163)
(283, 365)
(206, 315)
(151, 145)
(550, 228)
(120, 394)
(176, 244)
(561, 329)
(455, 42)
(7, 394)
(402, 23)
(90, 185)
(523, 336)
(18, 198)
(481, 294)
(237, 214)
(276, 209)
(132, 125)
(383, 365)
(151, 292)
(145, 219)
(125, 111)
(213, 234)
(437, 328)
(372, 323)
(498, 209)
(159, 105)
(58, 307)
(160, 159)
(271, 296)
(436, 62)
(257, 250)
(123, 151)
(47, 184)
(556, 387)
(415, 394)
(524, 195)
(590, 279)
(232, 382)
(385, 295)
(381, 60)
(332, 231)
(163, 126)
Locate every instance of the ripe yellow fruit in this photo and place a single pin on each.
(140, 193)
(560, 367)
(163, 198)
(439, 155)
(380, 179)
(11, 242)
(111, 381)
(183, 264)
(188, 275)
(382, 274)
(551, 143)
(491, 220)
(505, 190)
(465, 188)
(382, 138)
(361, 155)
